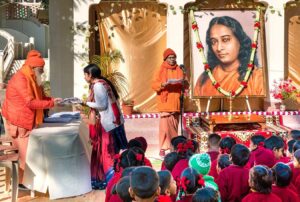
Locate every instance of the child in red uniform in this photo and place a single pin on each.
(206, 194)
(170, 161)
(223, 162)
(282, 177)
(295, 167)
(122, 190)
(138, 143)
(276, 144)
(213, 146)
(289, 152)
(225, 146)
(167, 186)
(260, 181)
(295, 134)
(259, 154)
(190, 181)
(144, 184)
(233, 180)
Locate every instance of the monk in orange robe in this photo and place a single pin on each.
(229, 50)
(168, 101)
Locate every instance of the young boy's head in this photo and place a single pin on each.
(290, 151)
(144, 184)
(226, 144)
(206, 194)
(167, 184)
(122, 188)
(282, 174)
(255, 141)
(170, 160)
(295, 134)
(213, 141)
(276, 144)
(296, 161)
(223, 162)
(260, 179)
(240, 155)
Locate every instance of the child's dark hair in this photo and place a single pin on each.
(274, 142)
(170, 160)
(143, 141)
(261, 179)
(127, 171)
(190, 181)
(214, 139)
(134, 143)
(282, 174)
(295, 134)
(256, 139)
(224, 161)
(122, 189)
(176, 140)
(164, 180)
(187, 149)
(206, 194)
(290, 145)
(240, 154)
(297, 155)
(128, 158)
(296, 145)
(226, 144)
(144, 182)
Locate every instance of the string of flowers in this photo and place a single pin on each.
(207, 68)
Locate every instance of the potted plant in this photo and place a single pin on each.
(287, 93)
(127, 106)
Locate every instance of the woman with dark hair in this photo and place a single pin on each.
(106, 127)
(228, 55)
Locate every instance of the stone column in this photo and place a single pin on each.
(175, 26)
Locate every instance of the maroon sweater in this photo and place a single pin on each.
(259, 197)
(286, 194)
(213, 155)
(233, 183)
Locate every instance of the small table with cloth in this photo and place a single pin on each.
(56, 159)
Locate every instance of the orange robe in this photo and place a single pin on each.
(170, 106)
(229, 82)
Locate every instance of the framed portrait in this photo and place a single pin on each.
(227, 39)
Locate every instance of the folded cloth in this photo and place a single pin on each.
(71, 100)
(58, 119)
(73, 115)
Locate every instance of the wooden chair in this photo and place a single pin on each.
(9, 158)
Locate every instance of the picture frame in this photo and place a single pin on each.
(201, 85)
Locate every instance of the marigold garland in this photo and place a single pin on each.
(207, 68)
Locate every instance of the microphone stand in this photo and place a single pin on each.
(182, 100)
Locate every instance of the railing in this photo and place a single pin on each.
(6, 55)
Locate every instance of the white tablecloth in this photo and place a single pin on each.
(57, 160)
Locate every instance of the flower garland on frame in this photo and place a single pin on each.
(207, 68)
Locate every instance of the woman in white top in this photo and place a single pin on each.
(106, 130)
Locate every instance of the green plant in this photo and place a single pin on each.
(107, 62)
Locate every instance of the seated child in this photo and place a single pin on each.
(225, 146)
(223, 162)
(177, 140)
(170, 161)
(259, 154)
(206, 194)
(167, 186)
(282, 178)
(295, 134)
(213, 146)
(139, 143)
(190, 181)
(233, 180)
(122, 189)
(144, 184)
(276, 144)
(260, 181)
(289, 152)
(201, 163)
(295, 167)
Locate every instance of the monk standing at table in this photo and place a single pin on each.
(168, 101)
(24, 104)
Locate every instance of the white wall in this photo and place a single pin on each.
(61, 53)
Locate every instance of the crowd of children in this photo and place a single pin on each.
(269, 170)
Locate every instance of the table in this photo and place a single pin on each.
(213, 120)
(56, 159)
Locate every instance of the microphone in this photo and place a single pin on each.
(182, 68)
